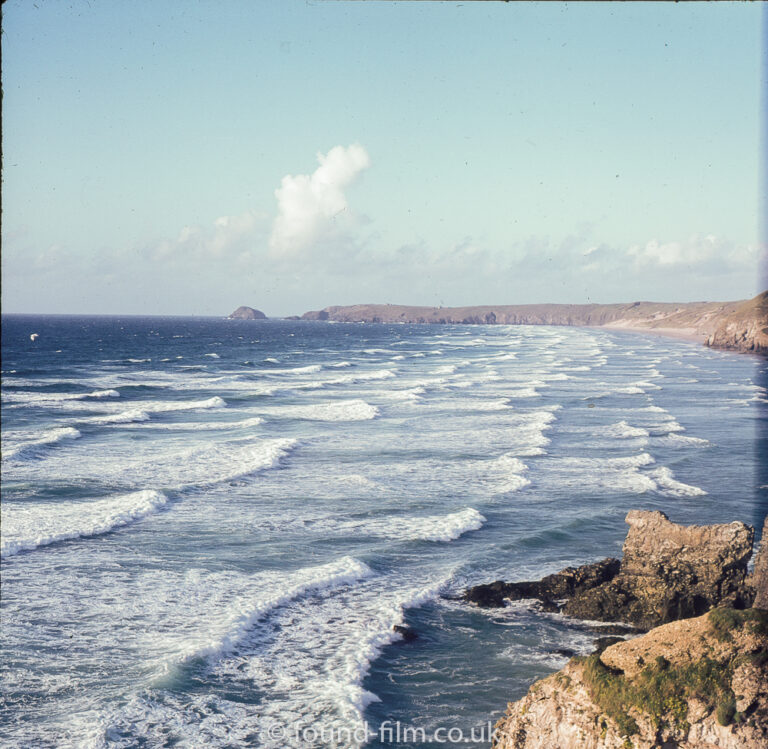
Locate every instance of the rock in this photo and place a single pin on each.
(548, 590)
(317, 315)
(745, 328)
(407, 633)
(618, 629)
(488, 596)
(759, 578)
(247, 313)
(692, 684)
(565, 652)
(668, 572)
(550, 607)
(601, 643)
(671, 572)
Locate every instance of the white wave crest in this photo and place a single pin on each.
(27, 528)
(124, 417)
(314, 671)
(524, 393)
(377, 374)
(445, 369)
(31, 398)
(442, 528)
(244, 613)
(512, 483)
(168, 406)
(509, 466)
(32, 446)
(667, 483)
(623, 430)
(681, 440)
(210, 426)
(351, 410)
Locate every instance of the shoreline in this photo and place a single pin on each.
(736, 326)
(680, 334)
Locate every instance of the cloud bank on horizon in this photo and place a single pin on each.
(317, 251)
(312, 245)
(290, 156)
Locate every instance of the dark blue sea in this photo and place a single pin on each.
(210, 527)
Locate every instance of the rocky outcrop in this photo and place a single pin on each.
(247, 313)
(758, 580)
(692, 684)
(671, 572)
(322, 314)
(745, 329)
(667, 572)
(564, 584)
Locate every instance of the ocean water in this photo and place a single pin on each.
(211, 527)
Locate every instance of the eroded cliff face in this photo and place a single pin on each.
(694, 684)
(758, 580)
(744, 329)
(670, 571)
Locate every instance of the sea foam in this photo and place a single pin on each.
(351, 410)
(28, 526)
(31, 447)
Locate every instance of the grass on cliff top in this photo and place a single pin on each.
(722, 622)
(662, 690)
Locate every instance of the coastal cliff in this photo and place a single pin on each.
(741, 326)
(744, 329)
(689, 683)
(667, 572)
(692, 684)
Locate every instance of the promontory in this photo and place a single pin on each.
(740, 326)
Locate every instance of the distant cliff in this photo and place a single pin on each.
(247, 313)
(742, 326)
(744, 329)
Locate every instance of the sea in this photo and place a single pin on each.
(211, 528)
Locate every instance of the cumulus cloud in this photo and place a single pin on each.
(230, 237)
(705, 254)
(310, 204)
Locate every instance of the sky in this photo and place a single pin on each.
(190, 156)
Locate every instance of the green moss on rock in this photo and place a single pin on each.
(661, 691)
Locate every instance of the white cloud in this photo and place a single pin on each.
(308, 205)
(241, 236)
(706, 254)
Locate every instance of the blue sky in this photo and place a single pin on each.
(165, 158)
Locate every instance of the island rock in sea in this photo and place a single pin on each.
(247, 313)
